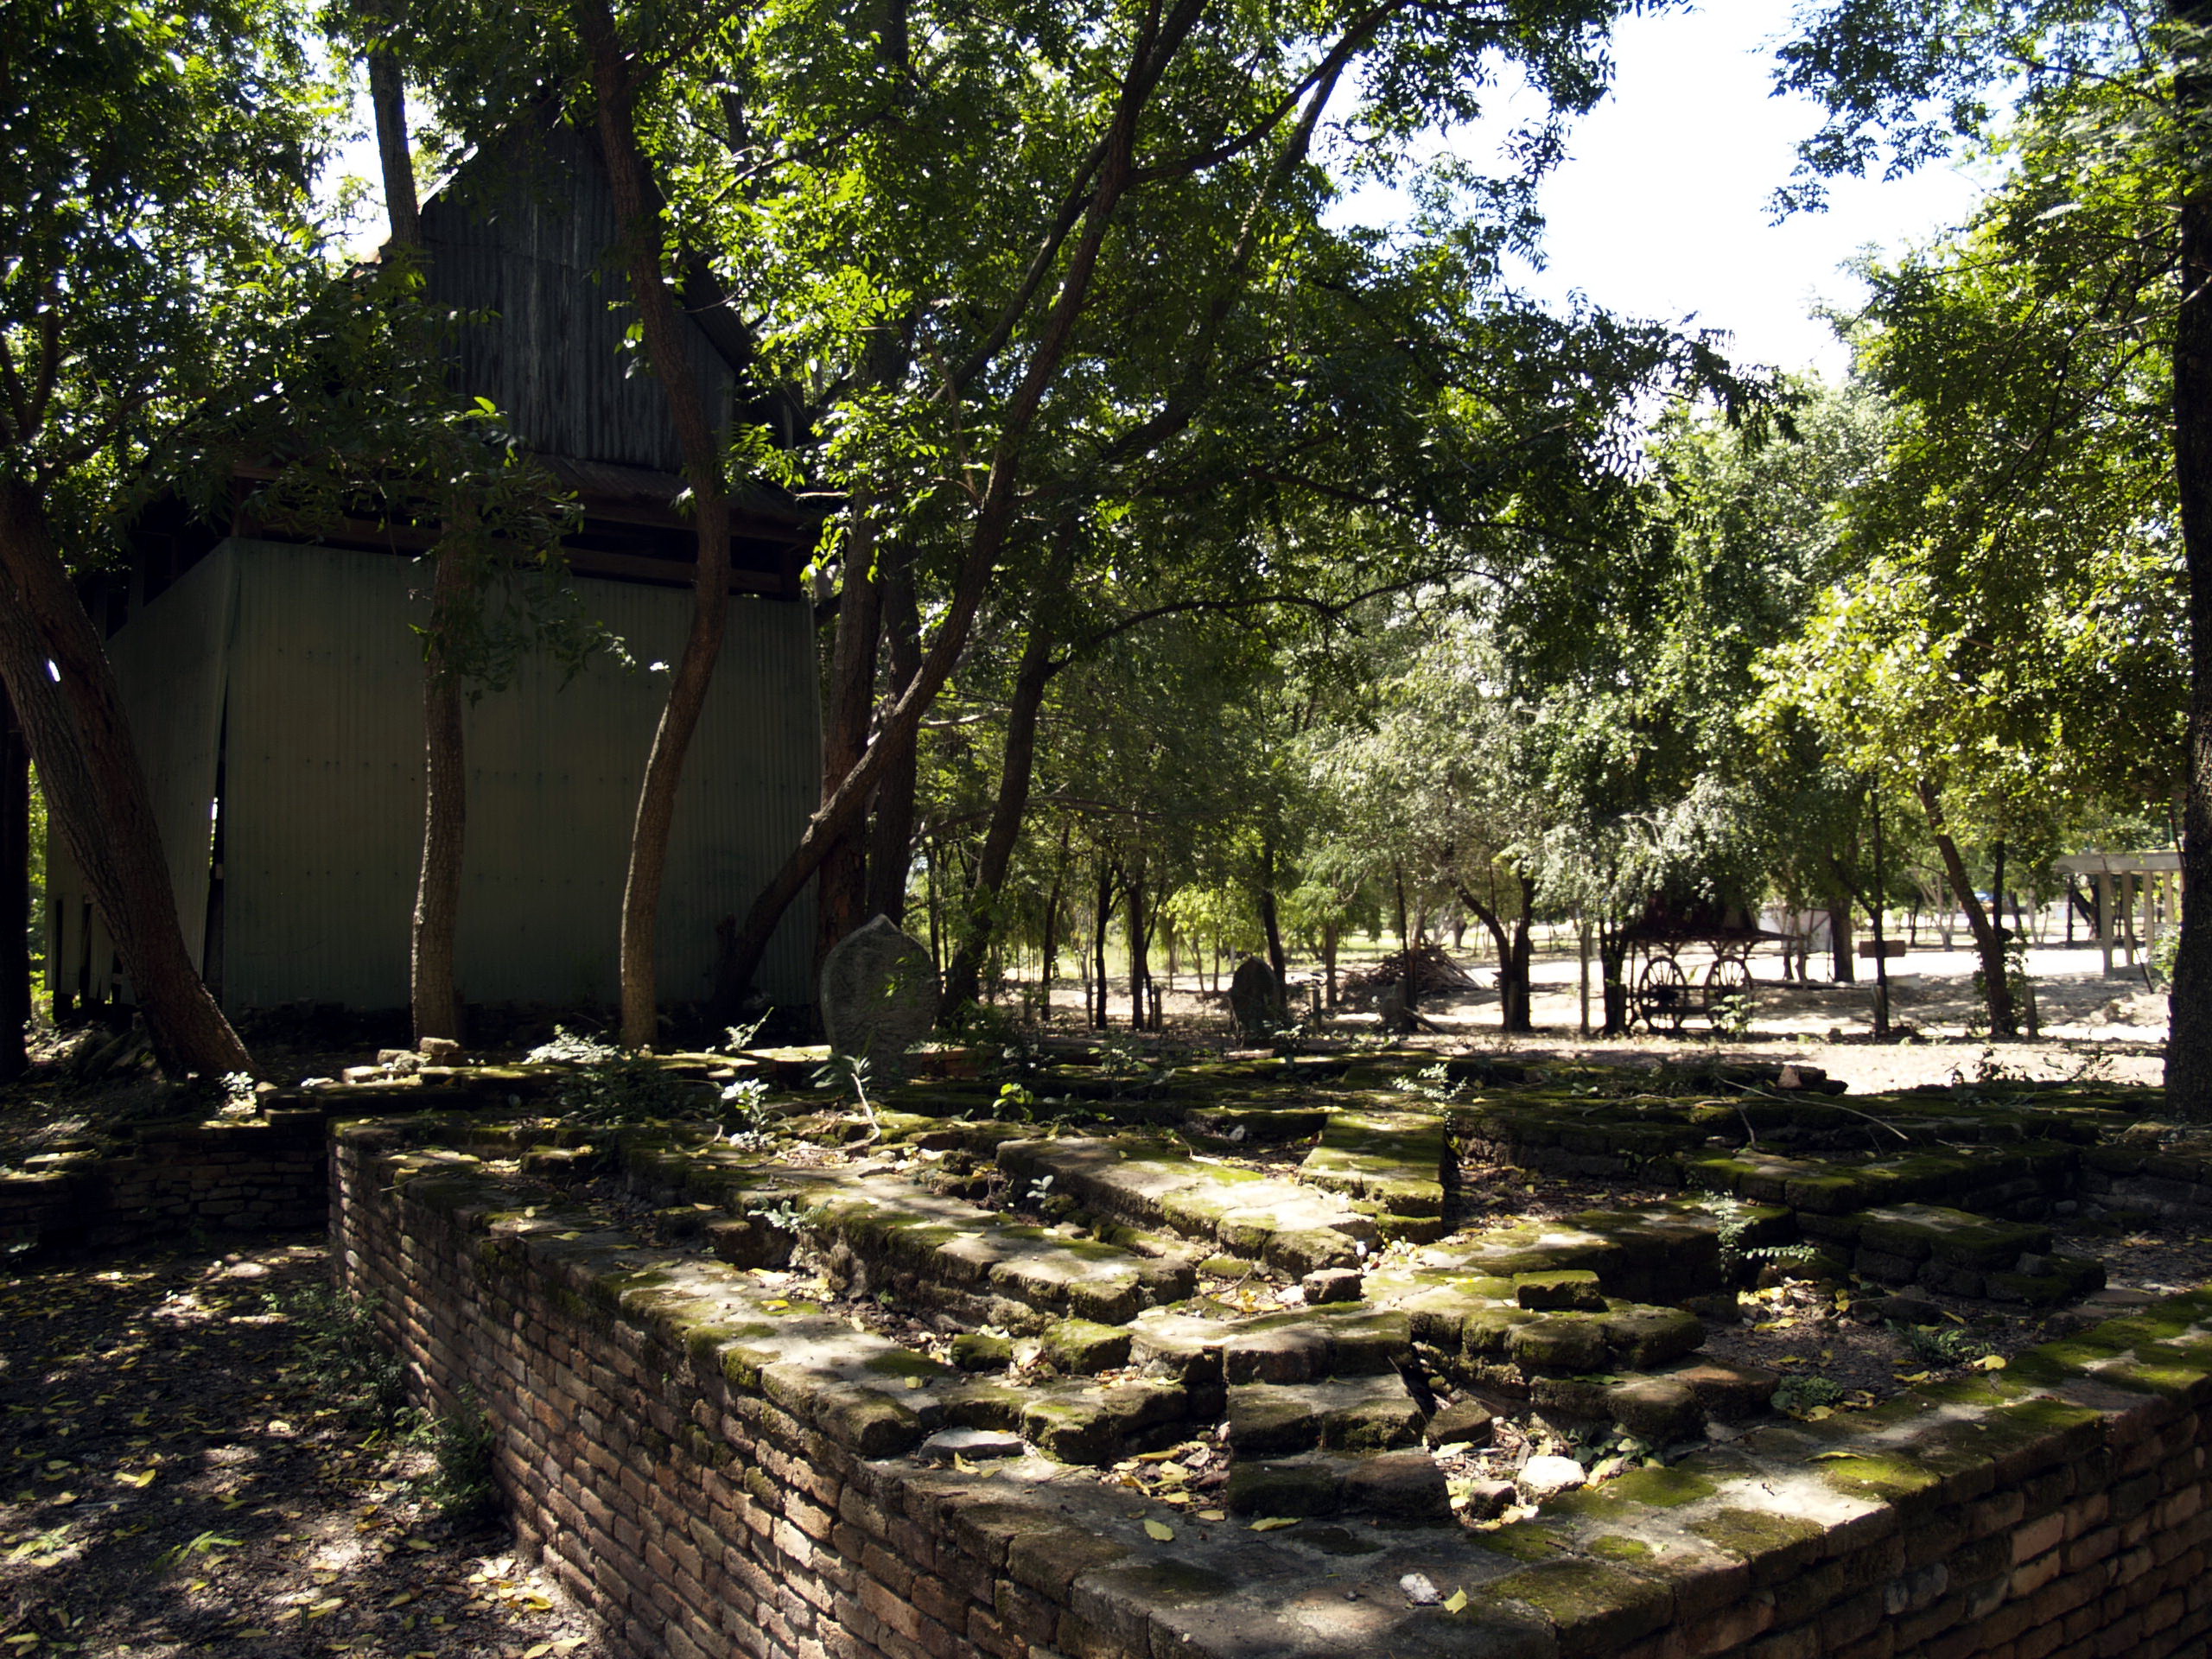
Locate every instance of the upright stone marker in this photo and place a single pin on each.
(879, 996)
(1256, 1000)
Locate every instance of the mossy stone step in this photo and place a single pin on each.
(1393, 1161)
(1366, 1414)
(1343, 1340)
(942, 1252)
(1103, 1423)
(1149, 1184)
(1965, 1254)
(1402, 1487)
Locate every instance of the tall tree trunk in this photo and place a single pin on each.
(995, 515)
(1612, 973)
(1101, 913)
(1050, 954)
(1493, 924)
(15, 894)
(1988, 936)
(387, 99)
(96, 790)
(1844, 970)
(840, 885)
(615, 110)
(433, 987)
(1270, 918)
(1017, 767)
(434, 994)
(2189, 1046)
(891, 838)
(1140, 939)
(1519, 1013)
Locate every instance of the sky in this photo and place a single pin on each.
(1662, 210)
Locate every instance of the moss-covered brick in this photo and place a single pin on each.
(1664, 1487)
(1643, 1337)
(1559, 1342)
(1293, 1488)
(1565, 1289)
(1591, 1606)
(1084, 1347)
(974, 1350)
(1771, 1544)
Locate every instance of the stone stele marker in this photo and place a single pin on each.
(879, 995)
(1256, 1000)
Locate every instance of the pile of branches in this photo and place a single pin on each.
(1434, 973)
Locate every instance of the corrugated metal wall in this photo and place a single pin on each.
(528, 235)
(171, 677)
(323, 805)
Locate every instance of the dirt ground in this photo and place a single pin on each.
(2090, 1026)
(176, 1480)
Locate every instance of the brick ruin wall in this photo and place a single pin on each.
(175, 1180)
(699, 1501)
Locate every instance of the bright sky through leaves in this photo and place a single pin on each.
(1664, 210)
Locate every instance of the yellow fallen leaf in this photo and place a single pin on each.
(1990, 1363)
(1455, 1601)
(401, 1599)
(538, 1652)
(1212, 1515)
(1161, 1530)
(1453, 1448)
(142, 1480)
(1272, 1522)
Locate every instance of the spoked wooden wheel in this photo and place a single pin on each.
(1662, 994)
(1727, 990)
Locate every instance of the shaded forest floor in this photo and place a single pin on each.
(182, 1473)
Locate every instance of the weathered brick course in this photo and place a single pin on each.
(2058, 1508)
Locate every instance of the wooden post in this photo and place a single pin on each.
(2104, 918)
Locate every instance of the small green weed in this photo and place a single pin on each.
(1799, 1395)
(1943, 1344)
(343, 1354)
(459, 1482)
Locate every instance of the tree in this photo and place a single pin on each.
(1099, 313)
(155, 212)
(2007, 651)
(2118, 97)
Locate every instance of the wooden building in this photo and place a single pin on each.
(275, 684)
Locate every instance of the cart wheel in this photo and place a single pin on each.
(1727, 990)
(1662, 994)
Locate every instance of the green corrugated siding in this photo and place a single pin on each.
(170, 661)
(323, 809)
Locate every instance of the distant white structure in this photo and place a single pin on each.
(2143, 889)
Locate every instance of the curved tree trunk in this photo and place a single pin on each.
(615, 110)
(1016, 771)
(1988, 936)
(1512, 997)
(891, 837)
(840, 885)
(2189, 1046)
(72, 720)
